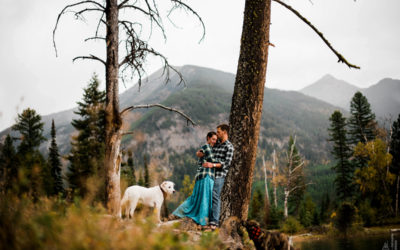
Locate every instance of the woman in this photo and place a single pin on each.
(198, 205)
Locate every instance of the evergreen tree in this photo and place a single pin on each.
(131, 166)
(87, 153)
(395, 152)
(146, 172)
(362, 120)
(256, 206)
(8, 167)
(342, 152)
(30, 127)
(30, 160)
(55, 163)
(141, 179)
(395, 146)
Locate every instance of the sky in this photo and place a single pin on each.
(366, 32)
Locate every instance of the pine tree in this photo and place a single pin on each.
(55, 163)
(342, 152)
(30, 160)
(30, 127)
(256, 206)
(131, 166)
(8, 167)
(141, 179)
(87, 153)
(362, 120)
(395, 152)
(146, 172)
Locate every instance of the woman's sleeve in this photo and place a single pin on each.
(208, 154)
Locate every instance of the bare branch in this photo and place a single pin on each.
(340, 57)
(95, 38)
(127, 133)
(188, 119)
(91, 57)
(179, 3)
(65, 9)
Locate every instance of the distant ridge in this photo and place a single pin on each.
(331, 90)
(384, 96)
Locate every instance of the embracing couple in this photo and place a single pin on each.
(215, 158)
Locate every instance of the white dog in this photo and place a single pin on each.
(152, 197)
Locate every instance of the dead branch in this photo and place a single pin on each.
(95, 38)
(340, 57)
(188, 119)
(180, 4)
(91, 57)
(101, 7)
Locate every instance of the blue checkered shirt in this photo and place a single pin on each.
(208, 157)
(223, 153)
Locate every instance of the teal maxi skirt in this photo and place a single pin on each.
(198, 205)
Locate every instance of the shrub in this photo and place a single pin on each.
(368, 214)
(291, 226)
(345, 216)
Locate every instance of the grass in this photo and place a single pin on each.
(52, 223)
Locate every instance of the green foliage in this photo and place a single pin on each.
(342, 153)
(275, 218)
(146, 172)
(8, 166)
(374, 180)
(256, 210)
(30, 128)
(368, 214)
(55, 164)
(87, 153)
(128, 171)
(32, 169)
(307, 212)
(345, 217)
(187, 186)
(291, 225)
(362, 120)
(395, 147)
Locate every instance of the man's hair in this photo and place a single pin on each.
(224, 127)
(210, 134)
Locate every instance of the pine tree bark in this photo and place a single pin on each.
(247, 103)
(113, 118)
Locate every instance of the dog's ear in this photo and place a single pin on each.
(163, 184)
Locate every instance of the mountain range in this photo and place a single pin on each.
(206, 97)
(384, 96)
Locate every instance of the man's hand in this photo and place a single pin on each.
(207, 165)
(199, 153)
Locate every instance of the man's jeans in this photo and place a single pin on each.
(216, 201)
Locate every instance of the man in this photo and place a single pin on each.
(223, 154)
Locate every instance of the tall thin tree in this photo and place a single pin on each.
(55, 163)
(341, 150)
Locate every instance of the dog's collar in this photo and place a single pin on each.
(163, 192)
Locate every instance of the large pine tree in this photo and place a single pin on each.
(30, 160)
(395, 152)
(362, 120)
(55, 163)
(342, 152)
(87, 153)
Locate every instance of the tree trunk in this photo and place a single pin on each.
(113, 119)
(285, 208)
(247, 103)
(274, 180)
(267, 202)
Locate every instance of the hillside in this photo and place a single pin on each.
(206, 98)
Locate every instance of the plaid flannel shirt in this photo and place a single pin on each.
(208, 157)
(223, 154)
